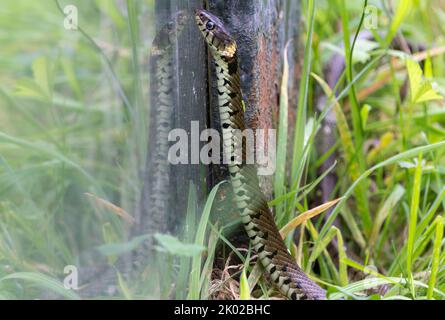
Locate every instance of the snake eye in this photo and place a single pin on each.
(210, 25)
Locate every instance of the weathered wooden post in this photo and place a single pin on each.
(189, 95)
(261, 29)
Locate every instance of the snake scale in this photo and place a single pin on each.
(257, 218)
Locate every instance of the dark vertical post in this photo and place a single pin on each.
(191, 110)
(261, 29)
(189, 106)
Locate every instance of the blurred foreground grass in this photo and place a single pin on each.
(66, 129)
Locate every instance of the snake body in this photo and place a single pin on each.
(256, 216)
(153, 214)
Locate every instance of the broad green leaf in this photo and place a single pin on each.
(175, 247)
(27, 87)
(362, 51)
(421, 89)
(115, 249)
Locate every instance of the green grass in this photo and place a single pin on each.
(73, 118)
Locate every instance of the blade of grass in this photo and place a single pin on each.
(279, 183)
(255, 275)
(111, 207)
(194, 283)
(43, 281)
(403, 9)
(189, 231)
(320, 248)
(415, 196)
(244, 286)
(48, 150)
(349, 149)
(300, 126)
(342, 267)
(436, 256)
(407, 154)
(208, 265)
(384, 212)
(304, 190)
(294, 223)
(353, 228)
(361, 195)
(431, 212)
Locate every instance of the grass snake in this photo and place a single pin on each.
(256, 216)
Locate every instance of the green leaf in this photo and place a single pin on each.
(70, 73)
(40, 86)
(27, 87)
(280, 173)
(115, 249)
(362, 52)
(428, 68)
(421, 89)
(244, 286)
(436, 256)
(403, 9)
(175, 247)
(364, 113)
(415, 197)
(389, 204)
(42, 75)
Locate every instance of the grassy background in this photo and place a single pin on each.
(69, 126)
(65, 132)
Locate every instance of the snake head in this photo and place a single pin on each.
(167, 36)
(216, 36)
